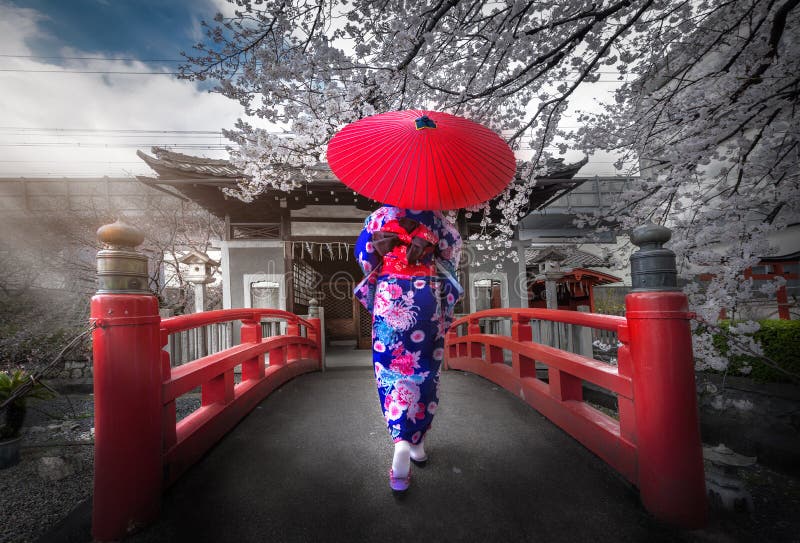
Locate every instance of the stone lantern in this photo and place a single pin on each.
(549, 261)
(724, 482)
(200, 272)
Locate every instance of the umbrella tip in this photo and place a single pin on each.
(424, 122)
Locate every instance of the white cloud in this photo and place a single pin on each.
(33, 100)
(225, 7)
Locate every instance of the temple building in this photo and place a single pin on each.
(285, 248)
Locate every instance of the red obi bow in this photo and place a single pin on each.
(402, 243)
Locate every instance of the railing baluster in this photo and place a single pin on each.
(521, 331)
(277, 356)
(292, 329)
(220, 389)
(168, 411)
(450, 346)
(625, 408)
(496, 355)
(564, 386)
(253, 368)
(474, 348)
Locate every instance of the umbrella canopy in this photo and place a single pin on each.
(420, 159)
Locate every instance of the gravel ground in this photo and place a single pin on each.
(30, 505)
(58, 428)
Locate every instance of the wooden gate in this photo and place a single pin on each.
(340, 315)
(364, 323)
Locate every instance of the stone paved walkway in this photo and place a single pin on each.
(311, 462)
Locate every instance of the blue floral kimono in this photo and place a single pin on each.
(411, 311)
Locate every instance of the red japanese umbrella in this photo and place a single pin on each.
(421, 160)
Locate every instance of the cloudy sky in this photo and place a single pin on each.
(58, 120)
(66, 110)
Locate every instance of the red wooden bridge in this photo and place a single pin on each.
(142, 449)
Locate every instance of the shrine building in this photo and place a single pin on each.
(285, 248)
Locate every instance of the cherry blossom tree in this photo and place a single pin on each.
(712, 118)
(706, 105)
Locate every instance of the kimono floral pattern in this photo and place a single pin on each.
(411, 316)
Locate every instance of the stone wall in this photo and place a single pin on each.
(76, 369)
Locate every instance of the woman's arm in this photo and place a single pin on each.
(367, 254)
(368, 258)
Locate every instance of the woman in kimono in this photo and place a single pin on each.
(409, 259)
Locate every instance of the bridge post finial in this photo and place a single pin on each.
(653, 266)
(126, 351)
(665, 399)
(121, 269)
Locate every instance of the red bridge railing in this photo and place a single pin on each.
(561, 397)
(223, 403)
(140, 447)
(655, 444)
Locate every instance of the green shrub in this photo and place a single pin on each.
(13, 415)
(780, 341)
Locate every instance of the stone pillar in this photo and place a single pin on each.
(199, 297)
(551, 330)
(552, 273)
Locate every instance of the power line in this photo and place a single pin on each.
(131, 145)
(72, 161)
(67, 175)
(163, 131)
(97, 58)
(116, 136)
(85, 72)
(127, 130)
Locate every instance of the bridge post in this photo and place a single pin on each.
(127, 388)
(670, 463)
(292, 329)
(315, 333)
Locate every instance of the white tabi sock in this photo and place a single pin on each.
(418, 452)
(401, 463)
